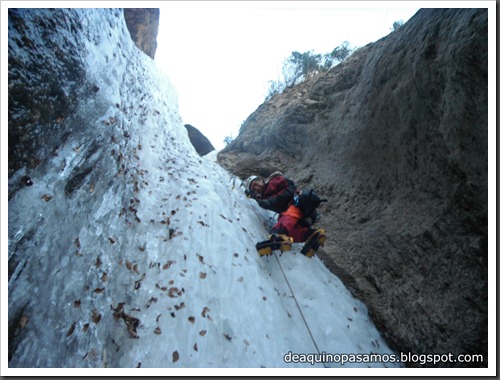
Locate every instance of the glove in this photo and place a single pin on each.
(264, 203)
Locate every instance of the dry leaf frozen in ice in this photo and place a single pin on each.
(175, 356)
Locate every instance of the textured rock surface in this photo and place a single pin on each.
(396, 137)
(200, 142)
(142, 24)
(38, 114)
(35, 109)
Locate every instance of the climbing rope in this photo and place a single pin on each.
(293, 294)
(298, 307)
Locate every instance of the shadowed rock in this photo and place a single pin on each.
(143, 25)
(200, 142)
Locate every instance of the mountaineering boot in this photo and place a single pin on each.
(275, 242)
(313, 242)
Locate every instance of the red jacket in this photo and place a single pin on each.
(278, 193)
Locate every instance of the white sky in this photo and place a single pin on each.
(221, 55)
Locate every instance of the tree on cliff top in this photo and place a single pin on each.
(300, 66)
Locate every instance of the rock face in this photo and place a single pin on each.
(200, 142)
(34, 109)
(396, 137)
(142, 24)
(38, 114)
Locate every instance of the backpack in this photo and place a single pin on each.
(307, 201)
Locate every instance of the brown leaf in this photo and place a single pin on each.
(99, 290)
(204, 312)
(128, 265)
(111, 240)
(118, 311)
(203, 332)
(85, 327)
(96, 317)
(203, 275)
(47, 197)
(98, 262)
(174, 292)
(151, 301)
(137, 284)
(104, 277)
(132, 324)
(77, 303)
(71, 329)
(175, 356)
(168, 264)
(181, 306)
(157, 331)
(191, 319)
(22, 322)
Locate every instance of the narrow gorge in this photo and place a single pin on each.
(396, 137)
(114, 202)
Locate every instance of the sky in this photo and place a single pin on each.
(221, 55)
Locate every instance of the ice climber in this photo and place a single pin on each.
(297, 213)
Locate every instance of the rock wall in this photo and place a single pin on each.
(143, 24)
(396, 137)
(200, 142)
(38, 113)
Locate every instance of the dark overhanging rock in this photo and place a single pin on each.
(143, 26)
(200, 142)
